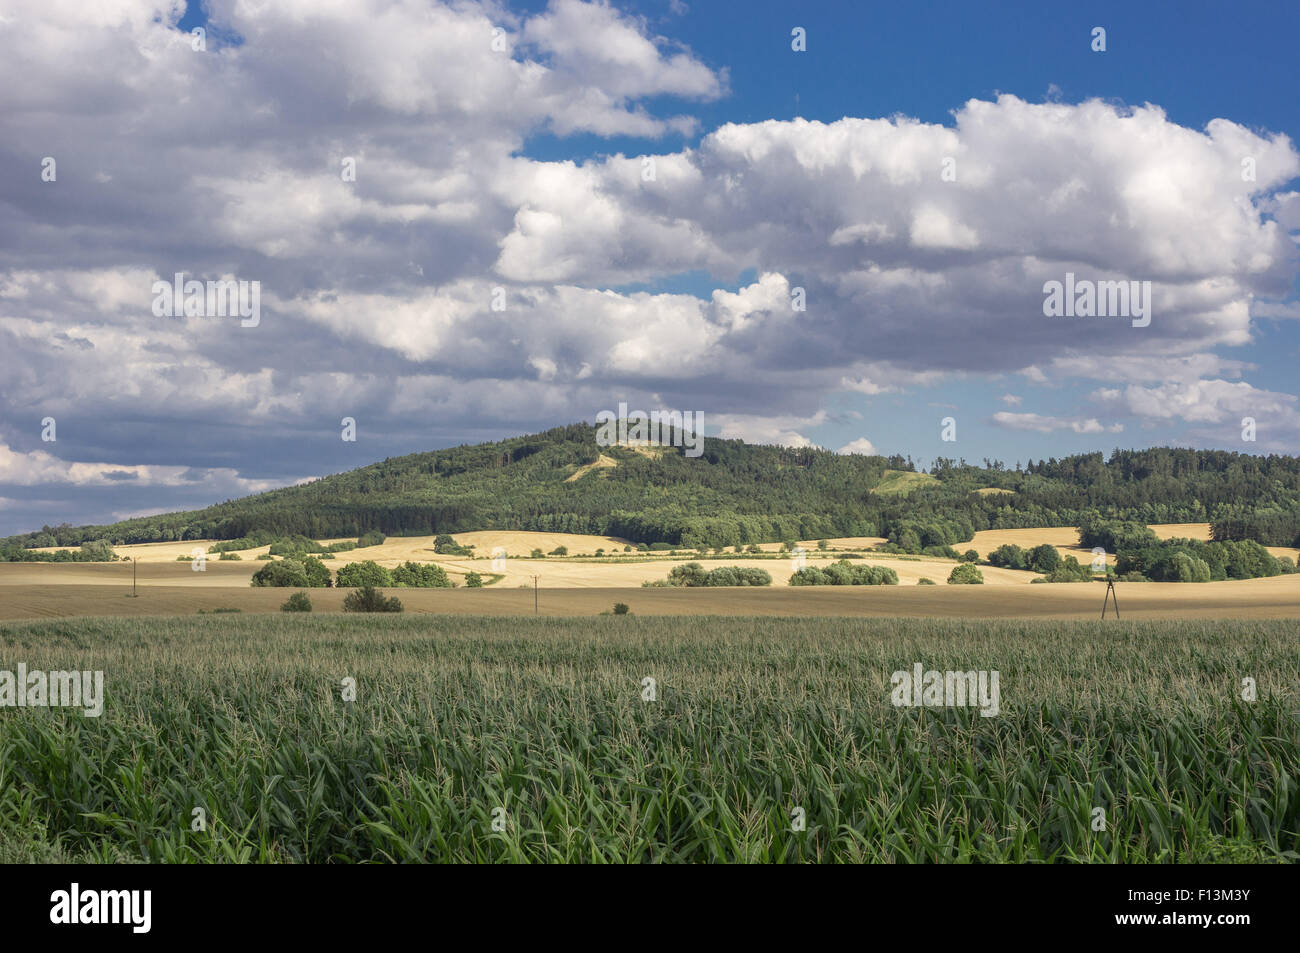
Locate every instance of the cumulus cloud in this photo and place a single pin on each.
(862, 445)
(380, 295)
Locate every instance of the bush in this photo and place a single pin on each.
(448, 546)
(1114, 535)
(620, 608)
(965, 575)
(844, 573)
(370, 599)
(229, 556)
(1009, 556)
(1069, 570)
(537, 554)
(473, 580)
(318, 574)
(1044, 558)
(295, 545)
(366, 573)
(923, 581)
(560, 551)
(1188, 568)
(421, 576)
(372, 538)
(98, 550)
(693, 574)
(970, 556)
(298, 602)
(285, 572)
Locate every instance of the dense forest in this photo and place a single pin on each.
(735, 493)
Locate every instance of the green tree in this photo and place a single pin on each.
(298, 602)
(365, 573)
(370, 599)
(965, 574)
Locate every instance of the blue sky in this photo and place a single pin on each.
(521, 168)
(1197, 60)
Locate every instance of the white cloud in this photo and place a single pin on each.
(862, 445)
(1040, 423)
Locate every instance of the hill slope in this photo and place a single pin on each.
(735, 493)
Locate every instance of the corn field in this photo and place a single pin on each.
(626, 739)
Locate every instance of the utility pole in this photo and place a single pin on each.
(1110, 595)
(134, 594)
(535, 610)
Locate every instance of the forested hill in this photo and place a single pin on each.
(735, 493)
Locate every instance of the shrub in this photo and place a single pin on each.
(318, 574)
(447, 546)
(693, 574)
(965, 574)
(1009, 556)
(844, 573)
(98, 550)
(473, 580)
(923, 581)
(1114, 535)
(1188, 568)
(560, 551)
(1044, 558)
(229, 556)
(295, 545)
(298, 602)
(370, 599)
(285, 572)
(421, 576)
(372, 538)
(537, 554)
(970, 556)
(366, 573)
(1069, 570)
(620, 608)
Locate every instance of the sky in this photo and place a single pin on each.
(473, 220)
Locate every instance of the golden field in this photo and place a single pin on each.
(1278, 597)
(584, 584)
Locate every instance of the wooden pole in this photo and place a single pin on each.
(1110, 595)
